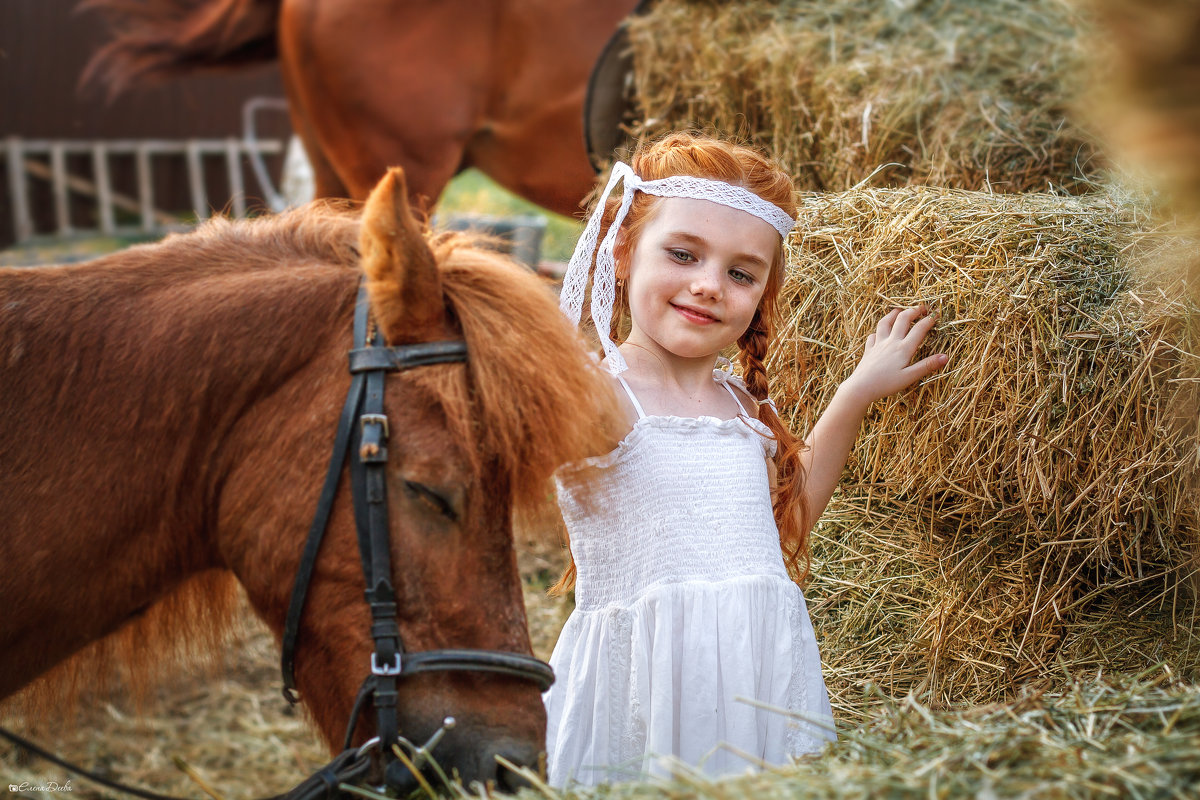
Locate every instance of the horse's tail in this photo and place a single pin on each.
(158, 39)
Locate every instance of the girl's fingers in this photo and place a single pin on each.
(870, 341)
(904, 320)
(884, 328)
(927, 366)
(922, 326)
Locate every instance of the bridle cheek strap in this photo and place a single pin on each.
(362, 436)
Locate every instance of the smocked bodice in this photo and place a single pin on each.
(680, 499)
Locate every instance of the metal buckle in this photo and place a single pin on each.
(393, 669)
(375, 419)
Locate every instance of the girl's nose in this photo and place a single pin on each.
(706, 283)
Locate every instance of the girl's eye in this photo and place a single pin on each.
(682, 256)
(741, 277)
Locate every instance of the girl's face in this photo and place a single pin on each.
(696, 275)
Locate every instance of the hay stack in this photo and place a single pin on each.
(1037, 497)
(960, 94)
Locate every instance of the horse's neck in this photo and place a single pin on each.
(130, 400)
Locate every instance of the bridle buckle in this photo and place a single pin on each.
(375, 419)
(387, 669)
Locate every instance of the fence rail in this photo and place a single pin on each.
(47, 160)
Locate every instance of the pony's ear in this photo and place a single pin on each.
(402, 275)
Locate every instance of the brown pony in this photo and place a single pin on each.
(433, 87)
(166, 417)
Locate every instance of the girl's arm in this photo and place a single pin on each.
(884, 369)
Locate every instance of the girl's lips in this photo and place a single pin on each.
(695, 315)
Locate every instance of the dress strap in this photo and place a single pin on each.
(736, 399)
(632, 398)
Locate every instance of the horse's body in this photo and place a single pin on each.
(433, 87)
(166, 417)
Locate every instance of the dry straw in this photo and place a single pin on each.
(1034, 504)
(957, 94)
(1138, 737)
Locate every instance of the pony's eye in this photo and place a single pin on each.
(440, 501)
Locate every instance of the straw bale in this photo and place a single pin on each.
(962, 94)
(989, 515)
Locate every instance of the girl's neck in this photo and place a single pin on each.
(668, 369)
(668, 384)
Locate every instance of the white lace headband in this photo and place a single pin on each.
(604, 281)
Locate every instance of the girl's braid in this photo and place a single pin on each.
(787, 496)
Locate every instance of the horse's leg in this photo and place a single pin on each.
(380, 84)
(325, 177)
(297, 80)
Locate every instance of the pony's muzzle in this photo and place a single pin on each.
(496, 763)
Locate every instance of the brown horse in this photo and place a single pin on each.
(166, 414)
(433, 87)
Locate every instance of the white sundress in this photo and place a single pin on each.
(683, 611)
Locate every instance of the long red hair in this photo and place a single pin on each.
(704, 156)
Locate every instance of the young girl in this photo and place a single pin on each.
(688, 636)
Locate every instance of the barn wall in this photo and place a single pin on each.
(44, 45)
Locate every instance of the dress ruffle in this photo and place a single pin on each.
(654, 678)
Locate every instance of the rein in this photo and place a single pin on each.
(363, 428)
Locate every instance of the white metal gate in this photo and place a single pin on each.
(28, 160)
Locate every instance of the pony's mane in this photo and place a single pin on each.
(537, 402)
(532, 403)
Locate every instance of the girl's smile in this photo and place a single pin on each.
(696, 276)
(695, 315)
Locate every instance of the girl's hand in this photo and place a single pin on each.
(884, 368)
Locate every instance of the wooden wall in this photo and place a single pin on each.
(44, 45)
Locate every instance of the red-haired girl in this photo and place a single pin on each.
(689, 643)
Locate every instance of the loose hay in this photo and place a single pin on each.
(956, 94)
(1037, 501)
(1136, 737)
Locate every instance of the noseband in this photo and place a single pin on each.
(363, 430)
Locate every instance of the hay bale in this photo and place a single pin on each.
(990, 515)
(958, 94)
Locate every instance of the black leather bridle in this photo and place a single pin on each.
(363, 432)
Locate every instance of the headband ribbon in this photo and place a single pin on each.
(604, 281)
